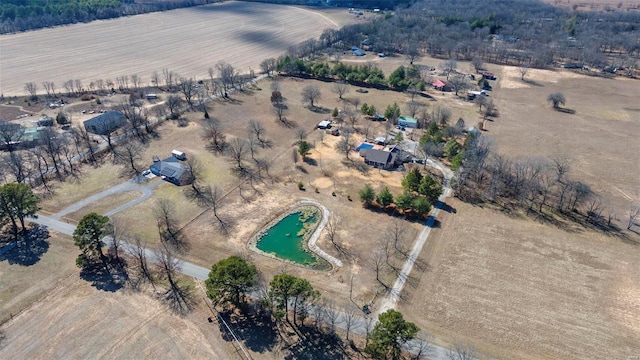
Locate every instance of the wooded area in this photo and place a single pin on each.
(22, 15)
(523, 33)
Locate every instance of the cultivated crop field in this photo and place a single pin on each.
(187, 41)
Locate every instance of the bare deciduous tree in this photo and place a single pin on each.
(331, 314)
(340, 88)
(422, 349)
(458, 83)
(632, 215)
(215, 137)
(17, 164)
(11, 135)
(237, 152)
(556, 99)
(173, 103)
(100, 85)
(177, 297)
(462, 352)
(477, 64)
(187, 86)
(258, 130)
(412, 52)
(32, 89)
(412, 108)
(155, 79)
(139, 252)
(129, 154)
(523, 69)
(78, 86)
(440, 115)
(68, 85)
(136, 82)
(448, 67)
(49, 88)
(169, 78)
(346, 144)
(168, 227)
(310, 95)
(268, 66)
(227, 75)
(280, 112)
(52, 144)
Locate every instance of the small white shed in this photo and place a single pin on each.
(179, 155)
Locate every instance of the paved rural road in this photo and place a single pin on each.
(131, 185)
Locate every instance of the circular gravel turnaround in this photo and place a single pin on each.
(187, 41)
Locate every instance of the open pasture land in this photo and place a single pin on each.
(600, 138)
(187, 41)
(517, 289)
(75, 320)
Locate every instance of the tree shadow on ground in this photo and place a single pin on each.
(310, 161)
(565, 110)
(258, 331)
(29, 249)
(286, 123)
(531, 82)
(446, 207)
(110, 276)
(316, 345)
(179, 299)
(319, 109)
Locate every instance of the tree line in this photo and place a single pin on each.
(540, 186)
(23, 15)
(233, 279)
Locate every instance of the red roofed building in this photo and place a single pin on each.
(440, 85)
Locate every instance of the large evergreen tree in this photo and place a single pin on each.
(88, 236)
(411, 182)
(285, 288)
(384, 198)
(230, 279)
(390, 333)
(367, 195)
(17, 201)
(430, 188)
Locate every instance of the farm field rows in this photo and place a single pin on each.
(187, 41)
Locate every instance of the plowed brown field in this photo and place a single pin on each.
(187, 41)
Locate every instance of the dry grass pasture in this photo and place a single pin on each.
(600, 138)
(23, 284)
(187, 41)
(517, 289)
(75, 320)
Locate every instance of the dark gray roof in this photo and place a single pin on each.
(169, 167)
(379, 156)
(105, 122)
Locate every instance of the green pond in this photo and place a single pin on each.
(285, 239)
